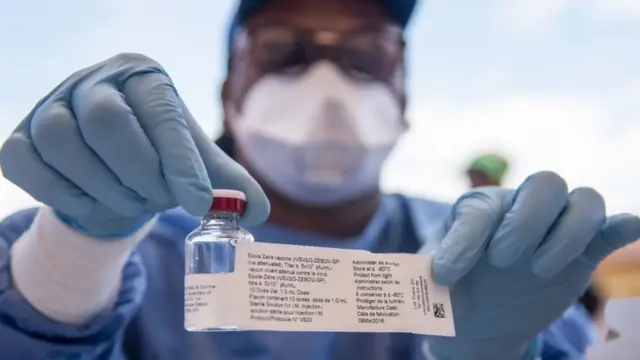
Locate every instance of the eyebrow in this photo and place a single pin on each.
(283, 18)
(365, 25)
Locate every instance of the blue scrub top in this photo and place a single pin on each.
(147, 321)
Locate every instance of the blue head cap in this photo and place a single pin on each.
(400, 11)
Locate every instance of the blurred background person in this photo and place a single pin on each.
(487, 170)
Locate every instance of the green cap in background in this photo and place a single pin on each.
(492, 165)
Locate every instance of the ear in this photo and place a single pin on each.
(225, 101)
(399, 84)
(403, 104)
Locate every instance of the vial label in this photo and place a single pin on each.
(298, 288)
(206, 304)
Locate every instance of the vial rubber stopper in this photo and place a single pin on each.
(228, 200)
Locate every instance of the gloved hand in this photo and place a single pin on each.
(114, 144)
(516, 260)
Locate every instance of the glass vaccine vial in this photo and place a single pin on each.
(211, 249)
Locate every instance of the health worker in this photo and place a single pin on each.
(314, 102)
(487, 170)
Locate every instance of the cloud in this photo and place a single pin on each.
(531, 16)
(534, 17)
(634, 91)
(619, 9)
(563, 133)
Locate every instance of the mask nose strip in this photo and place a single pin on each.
(336, 123)
(334, 145)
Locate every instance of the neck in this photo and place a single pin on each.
(342, 221)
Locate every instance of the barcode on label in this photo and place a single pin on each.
(438, 311)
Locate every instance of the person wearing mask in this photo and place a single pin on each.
(314, 101)
(487, 170)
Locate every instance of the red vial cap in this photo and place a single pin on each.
(228, 200)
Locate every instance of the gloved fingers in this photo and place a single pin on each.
(225, 173)
(580, 222)
(476, 216)
(155, 103)
(617, 232)
(538, 203)
(22, 165)
(109, 127)
(57, 138)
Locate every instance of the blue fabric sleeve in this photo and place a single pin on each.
(569, 337)
(28, 335)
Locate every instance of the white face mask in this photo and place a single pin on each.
(320, 138)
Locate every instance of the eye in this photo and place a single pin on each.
(360, 56)
(369, 55)
(278, 50)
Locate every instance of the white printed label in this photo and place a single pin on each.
(298, 288)
(207, 302)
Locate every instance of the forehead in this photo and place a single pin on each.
(336, 15)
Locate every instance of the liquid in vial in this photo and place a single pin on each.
(211, 248)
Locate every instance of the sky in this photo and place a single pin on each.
(553, 84)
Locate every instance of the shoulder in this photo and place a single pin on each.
(173, 225)
(420, 208)
(12, 226)
(426, 217)
(162, 247)
(570, 336)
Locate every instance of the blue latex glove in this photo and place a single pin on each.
(114, 144)
(516, 260)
